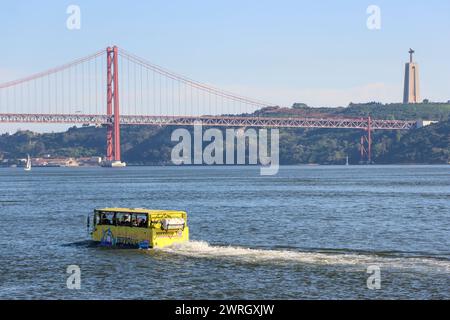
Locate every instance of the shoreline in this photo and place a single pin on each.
(243, 165)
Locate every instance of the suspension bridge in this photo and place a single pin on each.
(90, 91)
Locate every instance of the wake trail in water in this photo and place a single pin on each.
(201, 249)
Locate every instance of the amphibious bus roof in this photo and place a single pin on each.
(138, 210)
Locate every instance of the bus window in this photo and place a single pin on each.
(119, 219)
(123, 219)
(139, 220)
(106, 218)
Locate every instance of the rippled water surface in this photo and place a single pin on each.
(306, 233)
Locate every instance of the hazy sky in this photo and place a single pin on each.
(317, 52)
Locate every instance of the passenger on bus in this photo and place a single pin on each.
(126, 220)
(102, 219)
(142, 222)
(134, 221)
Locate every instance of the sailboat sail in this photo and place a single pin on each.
(28, 165)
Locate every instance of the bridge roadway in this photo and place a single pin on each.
(216, 121)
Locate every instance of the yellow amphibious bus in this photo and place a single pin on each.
(139, 228)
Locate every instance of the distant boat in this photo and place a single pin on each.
(28, 164)
(113, 164)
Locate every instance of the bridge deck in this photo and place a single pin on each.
(237, 121)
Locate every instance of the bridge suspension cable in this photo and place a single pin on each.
(75, 87)
(204, 88)
(76, 92)
(146, 89)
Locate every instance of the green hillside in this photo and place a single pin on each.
(392, 111)
(152, 145)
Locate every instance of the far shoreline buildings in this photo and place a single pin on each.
(411, 93)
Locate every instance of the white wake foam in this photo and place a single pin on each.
(201, 249)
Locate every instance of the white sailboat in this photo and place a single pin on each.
(28, 164)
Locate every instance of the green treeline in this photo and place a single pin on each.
(152, 145)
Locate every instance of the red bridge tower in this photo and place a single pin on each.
(113, 158)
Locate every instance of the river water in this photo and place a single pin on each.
(306, 233)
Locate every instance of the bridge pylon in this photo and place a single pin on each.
(113, 156)
(366, 144)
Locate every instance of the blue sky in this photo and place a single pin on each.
(318, 52)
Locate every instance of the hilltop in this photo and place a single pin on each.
(391, 111)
